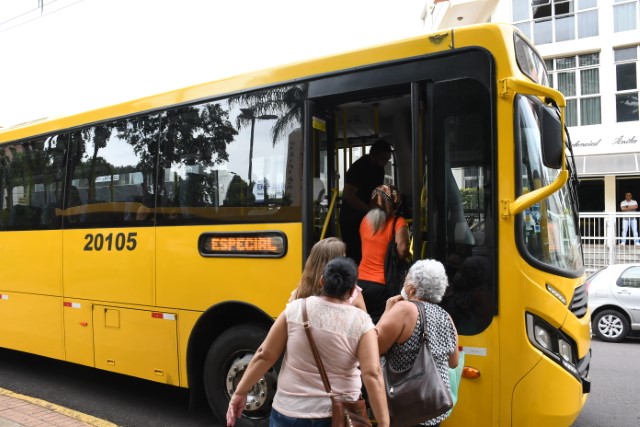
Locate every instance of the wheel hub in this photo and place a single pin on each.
(610, 326)
(259, 394)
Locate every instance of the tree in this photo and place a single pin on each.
(285, 102)
(237, 194)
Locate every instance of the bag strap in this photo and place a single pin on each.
(424, 336)
(314, 349)
(393, 229)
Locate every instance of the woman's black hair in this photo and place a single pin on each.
(340, 275)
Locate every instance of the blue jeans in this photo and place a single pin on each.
(279, 420)
(626, 222)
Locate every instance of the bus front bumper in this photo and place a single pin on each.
(548, 395)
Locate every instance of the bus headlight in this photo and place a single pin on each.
(543, 337)
(552, 342)
(565, 350)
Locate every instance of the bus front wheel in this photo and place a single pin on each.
(226, 362)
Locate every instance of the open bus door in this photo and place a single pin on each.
(320, 182)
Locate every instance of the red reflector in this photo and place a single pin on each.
(67, 304)
(156, 315)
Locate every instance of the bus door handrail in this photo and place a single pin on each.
(332, 204)
(509, 207)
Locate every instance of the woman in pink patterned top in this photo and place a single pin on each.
(346, 340)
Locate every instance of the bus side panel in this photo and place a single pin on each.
(31, 319)
(78, 331)
(186, 323)
(474, 407)
(188, 280)
(31, 262)
(137, 342)
(31, 323)
(114, 265)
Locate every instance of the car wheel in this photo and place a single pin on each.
(610, 326)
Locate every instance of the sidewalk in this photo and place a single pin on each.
(17, 410)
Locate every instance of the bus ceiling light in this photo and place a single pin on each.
(556, 293)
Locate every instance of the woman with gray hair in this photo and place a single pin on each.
(399, 326)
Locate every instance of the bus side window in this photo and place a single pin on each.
(30, 184)
(109, 163)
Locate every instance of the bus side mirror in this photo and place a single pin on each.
(551, 137)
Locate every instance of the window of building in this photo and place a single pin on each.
(626, 61)
(578, 78)
(548, 21)
(591, 195)
(625, 15)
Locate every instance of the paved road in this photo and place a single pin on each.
(615, 386)
(129, 402)
(119, 399)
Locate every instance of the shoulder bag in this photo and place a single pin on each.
(418, 393)
(344, 412)
(395, 269)
(455, 375)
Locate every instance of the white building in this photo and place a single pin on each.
(591, 48)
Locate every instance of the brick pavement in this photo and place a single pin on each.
(17, 410)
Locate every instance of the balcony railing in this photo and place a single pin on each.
(602, 239)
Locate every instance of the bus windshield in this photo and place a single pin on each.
(549, 228)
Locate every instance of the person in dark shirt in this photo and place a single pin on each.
(364, 175)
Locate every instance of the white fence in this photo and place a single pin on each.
(603, 242)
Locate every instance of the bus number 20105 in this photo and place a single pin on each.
(110, 242)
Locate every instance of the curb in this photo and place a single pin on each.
(79, 416)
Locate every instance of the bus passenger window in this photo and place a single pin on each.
(109, 162)
(31, 184)
(226, 160)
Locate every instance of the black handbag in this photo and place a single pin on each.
(418, 393)
(395, 269)
(344, 412)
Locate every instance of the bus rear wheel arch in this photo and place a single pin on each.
(226, 362)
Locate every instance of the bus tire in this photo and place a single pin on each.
(225, 364)
(610, 326)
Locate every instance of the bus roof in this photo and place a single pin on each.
(490, 36)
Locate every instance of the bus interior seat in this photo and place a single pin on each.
(4, 218)
(25, 217)
(50, 217)
(131, 206)
(318, 190)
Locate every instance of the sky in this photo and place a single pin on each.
(84, 54)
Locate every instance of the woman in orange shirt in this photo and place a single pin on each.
(376, 231)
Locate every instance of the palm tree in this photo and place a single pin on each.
(285, 102)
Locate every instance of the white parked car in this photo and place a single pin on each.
(614, 301)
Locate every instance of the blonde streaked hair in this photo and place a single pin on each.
(321, 253)
(385, 200)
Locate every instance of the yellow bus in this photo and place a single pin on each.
(159, 238)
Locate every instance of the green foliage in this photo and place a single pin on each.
(238, 193)
(472, 198)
